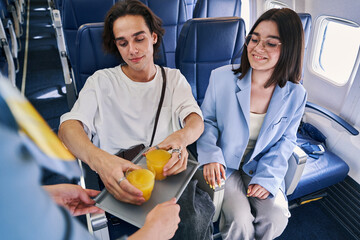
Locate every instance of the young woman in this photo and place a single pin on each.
(251, 114)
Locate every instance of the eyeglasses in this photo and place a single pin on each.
(269, 44)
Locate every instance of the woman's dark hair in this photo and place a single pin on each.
(135, 8)
(289, 65)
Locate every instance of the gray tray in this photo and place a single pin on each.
(172, 186)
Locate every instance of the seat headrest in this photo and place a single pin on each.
(91, 57)
(306, 22)
(173, 15)
(217, 8)
(205, 44)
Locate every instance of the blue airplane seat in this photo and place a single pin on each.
(78, 12)
(320, 171)
(190, 5)
(217, 8)
(173, 14)
(306, 22)
(205, 44)
(91, 57)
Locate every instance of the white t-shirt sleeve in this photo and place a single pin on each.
(85, 107)
(183, 102)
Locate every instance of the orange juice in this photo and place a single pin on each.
(143, 179)
(156, 161)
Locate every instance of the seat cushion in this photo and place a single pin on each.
(320, 173)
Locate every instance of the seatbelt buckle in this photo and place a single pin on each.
(313, 149)
(318, 149)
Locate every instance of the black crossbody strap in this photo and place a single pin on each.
(160, 103)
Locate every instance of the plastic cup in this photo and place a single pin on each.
(143, 179)
(156, 161)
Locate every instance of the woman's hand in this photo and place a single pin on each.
(213, 172)
(255, 190)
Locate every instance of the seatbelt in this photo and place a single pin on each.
(313, 150)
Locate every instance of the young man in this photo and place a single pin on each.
(117, 106)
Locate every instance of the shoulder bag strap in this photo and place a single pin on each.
(160, 103)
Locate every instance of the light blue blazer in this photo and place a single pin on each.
(226, 110)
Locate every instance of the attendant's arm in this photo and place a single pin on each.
(110, 167)
(192, 130)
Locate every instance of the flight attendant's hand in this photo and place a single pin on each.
(74, 198)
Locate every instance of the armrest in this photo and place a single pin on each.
(217, 194)
(97, 223)
(297, 163)
(99, 226)
(334, 117)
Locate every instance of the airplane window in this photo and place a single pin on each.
(336, 49)
(275, 4)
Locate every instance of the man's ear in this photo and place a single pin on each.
(154, 37)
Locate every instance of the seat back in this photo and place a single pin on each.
(173, 14)
(90, 55)
(217, 8)
(306, 22)
(190, 5)
(205, 44)
(78, 12)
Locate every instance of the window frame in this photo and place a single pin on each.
(314, 62)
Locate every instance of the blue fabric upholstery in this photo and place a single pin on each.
(217, 8)
(328, 169)
(205, 44)
(90, 55)
(78, 12)
(190, 5)
(319, 173)
(173, 14)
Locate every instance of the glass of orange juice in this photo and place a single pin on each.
(156, 161)
(143, 179)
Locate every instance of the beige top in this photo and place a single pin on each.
(256, 121)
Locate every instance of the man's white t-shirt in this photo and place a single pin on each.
(118, 113)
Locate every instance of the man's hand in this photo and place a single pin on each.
(111, 169)
(74, 198)
(178, 160)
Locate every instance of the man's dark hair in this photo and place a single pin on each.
(135, 8)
